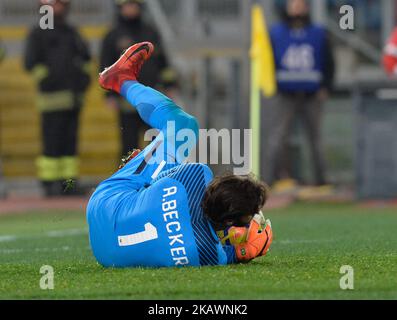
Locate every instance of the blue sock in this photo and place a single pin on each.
(157, 111)
(146, 101)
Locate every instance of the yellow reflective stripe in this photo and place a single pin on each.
(48, 169)
(168, 75)
(69, 167)
(40, 72)
(55, 101)
(2, 54)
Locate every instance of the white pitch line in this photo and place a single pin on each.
(63, 233)
(37, 250)
(8, 238)
(49, 234)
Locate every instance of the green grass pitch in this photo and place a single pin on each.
(312, 242)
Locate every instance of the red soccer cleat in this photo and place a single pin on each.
(127, 68)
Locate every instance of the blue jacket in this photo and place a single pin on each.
(303, 58)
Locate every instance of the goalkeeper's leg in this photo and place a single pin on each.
(157, 110)
(161, 113)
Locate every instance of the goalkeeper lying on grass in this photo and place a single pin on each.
(157, 211)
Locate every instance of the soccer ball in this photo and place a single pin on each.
(233, 235)
(238, 235)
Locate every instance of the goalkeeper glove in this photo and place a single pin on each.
(259, 239)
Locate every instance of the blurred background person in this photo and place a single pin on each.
(390, 55)
(2, 51)
(58, 59)
(305, 72)
(206, 43)
(131, 28)
(2, 185)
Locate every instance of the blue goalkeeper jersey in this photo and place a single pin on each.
(160, 225)
(149, 212)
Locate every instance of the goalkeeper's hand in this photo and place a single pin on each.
(259, 239)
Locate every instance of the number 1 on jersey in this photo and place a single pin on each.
(149, 234)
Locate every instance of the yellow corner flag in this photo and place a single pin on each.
(262, 54)
(263, 78)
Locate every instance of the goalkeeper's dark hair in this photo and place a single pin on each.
(228, 198)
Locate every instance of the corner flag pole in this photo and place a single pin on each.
(255, 120)
(263, 78)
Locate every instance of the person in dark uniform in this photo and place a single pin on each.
(305, 72)
(131, 28)
(59, 61)
(2, 51)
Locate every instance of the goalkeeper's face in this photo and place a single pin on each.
(232, 200)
